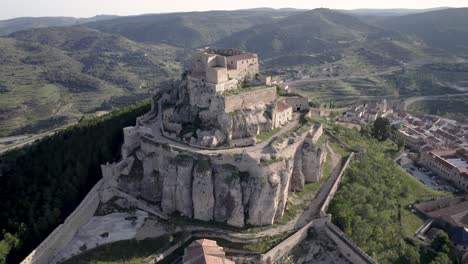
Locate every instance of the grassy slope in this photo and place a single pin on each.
(62, 73)
(374, 193)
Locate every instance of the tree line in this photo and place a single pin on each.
(40, 185)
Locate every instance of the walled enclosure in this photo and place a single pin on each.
(65, 232)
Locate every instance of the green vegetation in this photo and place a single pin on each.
(267, 135)
(269, 162)
(189, 30)
(452, 28)
(381, 129)
(345, 92)
(127, 251)
(53, 76)
(371, 206)
(44, 182)
(454, 107)
(431, 79)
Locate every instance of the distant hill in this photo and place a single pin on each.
(189, 30)
(52, 75)
(445, 29)
(23, 23)
(390, 12)
(306, 37)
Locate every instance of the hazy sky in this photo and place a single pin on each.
(88, 8)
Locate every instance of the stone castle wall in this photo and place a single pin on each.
(347, 247)
(288, 244)
(65, 232)
(249, 99)
(335, 186)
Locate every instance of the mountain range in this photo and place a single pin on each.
(51, 75)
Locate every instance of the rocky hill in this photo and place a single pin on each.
(49, 76)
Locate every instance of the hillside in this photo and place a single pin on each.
(49, 76)
(445, 29)
(194, 29)
(312, 37)
(23, 23)
(390, 12)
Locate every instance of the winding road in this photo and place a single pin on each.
(412, 100)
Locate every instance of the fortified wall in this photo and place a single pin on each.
(65, 232)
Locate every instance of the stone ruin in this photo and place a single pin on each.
(196, 152)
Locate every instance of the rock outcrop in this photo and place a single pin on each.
(308, 164)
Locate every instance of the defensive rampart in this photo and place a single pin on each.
(335, 186)
(65, 232)
(288, 244)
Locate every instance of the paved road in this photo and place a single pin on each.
(29, 140)
(412, 100)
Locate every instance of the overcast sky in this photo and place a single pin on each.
(88, 8)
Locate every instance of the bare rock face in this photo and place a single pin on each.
(184, 185)
(308, 165)
(269, 194)
(313, 157)
(297, 179)
(210, 138)
(151, 184)
(228, 196)
(168, 173)
(202, 191)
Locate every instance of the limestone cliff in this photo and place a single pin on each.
(236, 189)
(308, 164)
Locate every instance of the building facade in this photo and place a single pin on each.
(451, 165)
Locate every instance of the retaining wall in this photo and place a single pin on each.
(286, 245)
(335, 186)
(347, 247)
(65, 232)
(249, 99)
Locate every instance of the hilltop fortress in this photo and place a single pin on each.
(196, 152)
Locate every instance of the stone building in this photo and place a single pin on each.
(282, 113)
(223, 69)
(451, 165)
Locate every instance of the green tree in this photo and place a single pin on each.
(381, 129)
(8, 243)
(442, 258)
(441, 242)
(400, 141)
(410, 256)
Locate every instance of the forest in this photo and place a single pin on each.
(44, 182)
